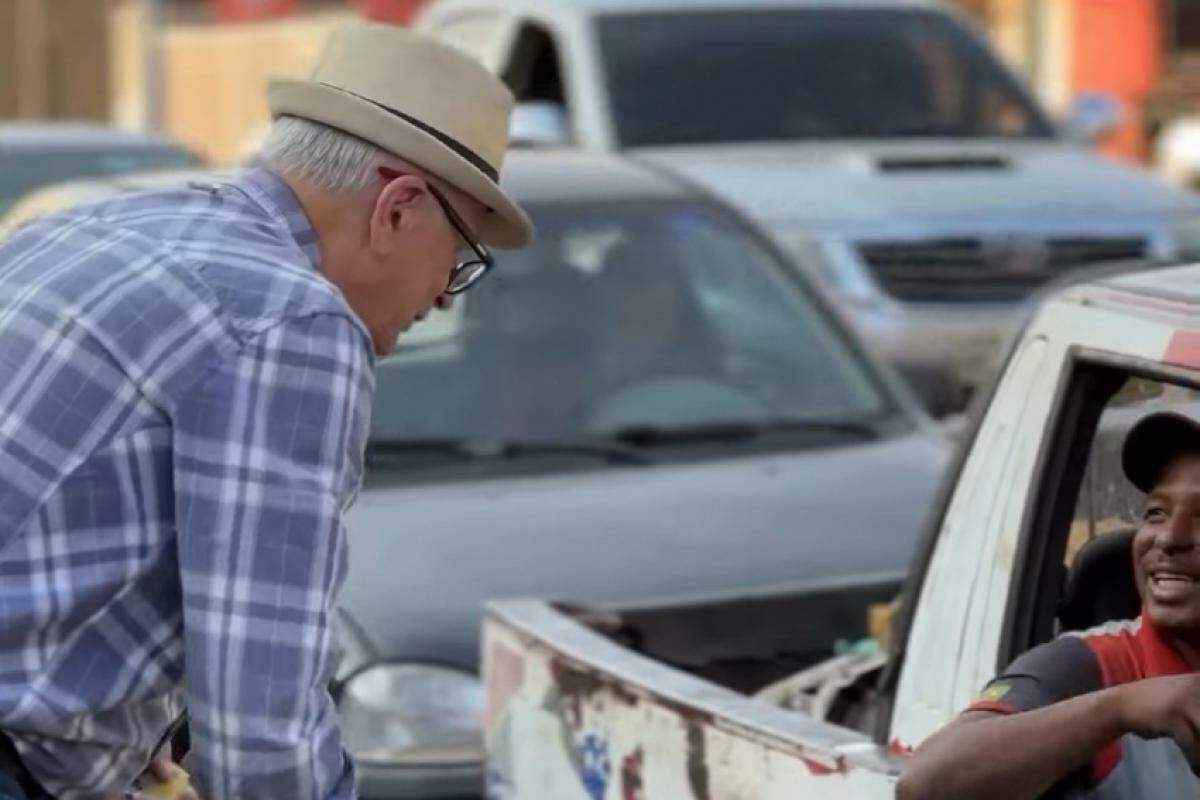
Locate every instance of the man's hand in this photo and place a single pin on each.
(165, 780)
(161, 767)
(1163, 707)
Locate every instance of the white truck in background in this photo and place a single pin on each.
(882, 142)
(722, 697)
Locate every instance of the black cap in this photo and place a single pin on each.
(1153, 442)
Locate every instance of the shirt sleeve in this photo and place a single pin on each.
(1047, 674)
(267, 456)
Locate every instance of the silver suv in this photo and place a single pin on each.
(882, 141)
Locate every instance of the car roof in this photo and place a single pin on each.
(1167, 294)
(74, 135)
(549, 176)
(624, 6)
(532, 177)
(1180, 285)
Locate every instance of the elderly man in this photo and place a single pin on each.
(1109, 713)
(187, 386)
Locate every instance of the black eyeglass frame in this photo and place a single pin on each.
(466, 273)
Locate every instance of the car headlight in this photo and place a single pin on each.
(412, 714)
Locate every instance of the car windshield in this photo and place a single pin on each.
(22, 172)
(642, 317)
(711, 77)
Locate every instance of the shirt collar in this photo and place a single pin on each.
(1157, 655)
(273, 194)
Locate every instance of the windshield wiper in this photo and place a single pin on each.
(493, 449)
(718, 432)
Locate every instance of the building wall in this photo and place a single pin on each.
(1065, 47)
(214, 78)
(1117, 47)
(53, 65)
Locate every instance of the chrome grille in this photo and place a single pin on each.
(976, 269)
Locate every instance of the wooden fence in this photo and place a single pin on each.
(54, 59)
(214, 78)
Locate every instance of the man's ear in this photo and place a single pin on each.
(396, 209)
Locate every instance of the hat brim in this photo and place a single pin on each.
(1153, 442)
(506, 225)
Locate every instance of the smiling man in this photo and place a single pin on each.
(1113, 712)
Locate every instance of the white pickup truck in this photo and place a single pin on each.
(905, 169)
(720, 697)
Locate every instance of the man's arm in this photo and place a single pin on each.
(267, 449)
(987, 755)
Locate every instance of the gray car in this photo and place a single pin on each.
(646, 403)
(37, 154)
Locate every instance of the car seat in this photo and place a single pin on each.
(1100, 586)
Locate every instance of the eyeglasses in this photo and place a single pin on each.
(468, 272)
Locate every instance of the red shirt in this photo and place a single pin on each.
(1077, 663)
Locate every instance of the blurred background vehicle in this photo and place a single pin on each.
(34, 154)
(909, 173)
(58, 196)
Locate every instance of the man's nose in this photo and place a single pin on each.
(1179, 533)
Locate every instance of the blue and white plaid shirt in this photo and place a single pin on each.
(184, 401)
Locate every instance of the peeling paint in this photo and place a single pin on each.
(595, 764)
(631, 776)
(579, 684)
(1183, 349)
(821, 768)
(697, 761)
(591, 734)
(686, 712)
(506, 669)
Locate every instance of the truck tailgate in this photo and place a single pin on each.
(572, 714)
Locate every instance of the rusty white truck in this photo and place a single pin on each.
(754, 696)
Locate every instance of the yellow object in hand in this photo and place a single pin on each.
(175, 788)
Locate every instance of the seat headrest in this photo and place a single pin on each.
(1101, 586)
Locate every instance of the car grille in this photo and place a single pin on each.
(1000, 269)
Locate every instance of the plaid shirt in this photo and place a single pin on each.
(183, 410)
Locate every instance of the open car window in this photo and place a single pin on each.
(1074, 562)
(1108, 503)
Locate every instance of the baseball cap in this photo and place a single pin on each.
(1153, 441)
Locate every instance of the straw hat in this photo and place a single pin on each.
(420, 100)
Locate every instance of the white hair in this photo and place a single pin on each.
(323, 156)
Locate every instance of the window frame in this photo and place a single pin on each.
(1092, 379)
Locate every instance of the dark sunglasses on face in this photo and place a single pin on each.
(468, 272)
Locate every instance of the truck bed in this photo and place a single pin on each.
(589, 711)
(748, 640)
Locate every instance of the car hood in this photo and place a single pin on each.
(860, 184)
(424, 558)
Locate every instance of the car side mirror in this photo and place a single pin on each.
(1094, 115)
(539, 124)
